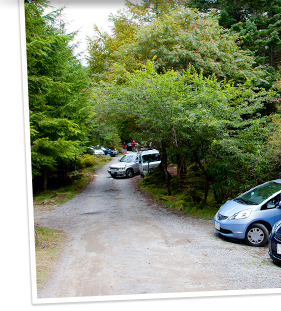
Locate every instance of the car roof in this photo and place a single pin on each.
(130, 153)
(149, 151)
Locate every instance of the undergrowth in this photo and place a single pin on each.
(77, 181)
(181, 198)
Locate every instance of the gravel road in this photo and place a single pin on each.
(121, 242)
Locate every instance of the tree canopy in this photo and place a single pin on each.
(176, 39)
(216, 125)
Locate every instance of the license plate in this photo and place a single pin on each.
(217, 225)
(278, 248)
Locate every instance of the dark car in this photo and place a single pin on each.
(129, 147)
(111, 152)
(274, 243)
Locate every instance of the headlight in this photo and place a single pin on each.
(276, 226)
(242, 214)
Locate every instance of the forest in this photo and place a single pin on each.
(200, 80)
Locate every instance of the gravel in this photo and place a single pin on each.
(121, 242)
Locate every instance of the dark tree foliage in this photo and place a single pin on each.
(257, 22)
(60, 110)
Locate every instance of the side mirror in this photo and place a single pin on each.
(279, 205)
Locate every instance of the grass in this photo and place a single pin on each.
(48, 246)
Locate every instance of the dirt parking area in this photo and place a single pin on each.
(121, 242)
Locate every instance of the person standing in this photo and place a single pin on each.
(124, 148)
(133, 145)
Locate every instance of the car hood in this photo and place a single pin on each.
(120, 164)
(231, 207)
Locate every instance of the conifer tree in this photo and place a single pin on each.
(60, 110)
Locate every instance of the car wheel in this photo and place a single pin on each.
(113, 176)
(129, 173)
(256, 235)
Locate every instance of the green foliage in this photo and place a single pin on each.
(184, 37)
(86, 160)
(216, 125)
(175, 37)
(59, 98)
(257, 22)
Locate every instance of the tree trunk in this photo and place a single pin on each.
(45, 177)
(207, 178)
(164, 164)
(206, 191)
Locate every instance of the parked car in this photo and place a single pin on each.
(115, 152)
(96, 151)
(127, 166)
(111, 152)
(274, 245)
(149, 159)
(129, 147)
(251, 215)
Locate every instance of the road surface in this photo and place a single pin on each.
(121, 242)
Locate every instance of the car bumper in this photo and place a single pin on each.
(119, 173)
(231, 228)
(272, 250)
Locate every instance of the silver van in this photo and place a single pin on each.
(149, 159)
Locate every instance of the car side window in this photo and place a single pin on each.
(271, 203)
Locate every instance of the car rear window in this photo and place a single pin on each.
(151, 157)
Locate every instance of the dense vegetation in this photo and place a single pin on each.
(61, 117)
(185, 81)
(197, 79)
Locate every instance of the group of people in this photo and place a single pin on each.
(125, 146)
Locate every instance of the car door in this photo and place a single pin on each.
(270, 211)
(153, 162)
(136, 165)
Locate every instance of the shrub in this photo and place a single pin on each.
(86, 160)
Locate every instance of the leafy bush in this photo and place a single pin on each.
(86, 160)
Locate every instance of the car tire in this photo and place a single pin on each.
(113, 176)
(256, 235)
(129, 173)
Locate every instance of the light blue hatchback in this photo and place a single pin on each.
(251, 215)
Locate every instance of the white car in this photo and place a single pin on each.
(98, 151)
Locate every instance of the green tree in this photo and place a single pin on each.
(103, 47)
(149, 10)
(59, 101)
(257, 23)
(185, 37)
(215, 125)
(176, 39)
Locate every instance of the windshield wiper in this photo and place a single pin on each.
(244, 201)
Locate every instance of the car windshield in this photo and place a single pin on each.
(261, 193)
(128, 158)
